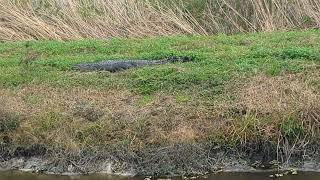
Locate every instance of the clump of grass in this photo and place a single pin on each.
(300, 53)
(9, 121)
(87, 112)
(291, 129)
(274, 109)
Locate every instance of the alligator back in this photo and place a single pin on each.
(115, 66)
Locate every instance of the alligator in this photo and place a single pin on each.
(120, 65)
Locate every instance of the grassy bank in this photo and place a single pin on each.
(80, 19)
(239, 90)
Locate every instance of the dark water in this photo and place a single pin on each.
(222, 176)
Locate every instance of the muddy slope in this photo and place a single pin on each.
(181, 159)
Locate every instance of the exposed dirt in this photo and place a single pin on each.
(183, 159)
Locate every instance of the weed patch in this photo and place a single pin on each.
(291, 129)
(87, 112)
(300, 53)
(8, 122)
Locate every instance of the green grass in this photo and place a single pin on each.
(161, 98)
(218, 58)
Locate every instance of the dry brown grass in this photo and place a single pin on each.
(281, 94)
(264, 107)
(50, 116)
(261, 15)
(77, 19)
(269, 107)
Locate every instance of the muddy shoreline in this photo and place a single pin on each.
(45, 166)
(182, 160)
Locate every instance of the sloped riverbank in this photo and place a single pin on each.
(244, 101)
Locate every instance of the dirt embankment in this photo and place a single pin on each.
(177, 160)
(271, 122)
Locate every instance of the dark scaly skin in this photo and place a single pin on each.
(115, 66)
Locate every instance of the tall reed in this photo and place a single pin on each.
(77, 19)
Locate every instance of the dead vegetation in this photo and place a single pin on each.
(78, 19)
(8, 122)
(281, 111)
(266, 95)
(271, 119)
(73, 19)
(264, 108)
(79, 118)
